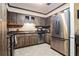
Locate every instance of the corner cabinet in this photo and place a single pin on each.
(15, 19)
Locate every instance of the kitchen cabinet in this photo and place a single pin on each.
(24, 40)
(39, 21)
(47, 21)
(15, 19)
(20, 40)
(33, 39)
(47, 38)
(11, 18)
(20, 19)
(42, 21)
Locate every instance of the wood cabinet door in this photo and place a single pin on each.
(36, 39)
(12, 18)
(42, 22)
(20, 19)
(36, 21)
(9, 18)
(47, 38)
(39, 21)
(26, 40)
(15, 19)
(47, 22)
(20, 40)
(33, 39)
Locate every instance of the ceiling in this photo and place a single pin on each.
(43, 8)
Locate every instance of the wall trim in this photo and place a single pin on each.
(57, 10)
(36, 11)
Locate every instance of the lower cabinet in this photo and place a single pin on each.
(47, 38)
(24, 40)
(33, 39)
(20, 40)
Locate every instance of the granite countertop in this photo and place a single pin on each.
(12, 33)
(21, 32)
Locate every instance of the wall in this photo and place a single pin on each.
(76, 7)
(3, 30)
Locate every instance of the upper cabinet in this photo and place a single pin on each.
(15, 19)
(18, 20)
(11, 18)
(42, 21)
(39, 21)
(47, 21)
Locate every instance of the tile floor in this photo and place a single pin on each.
(37, 50)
